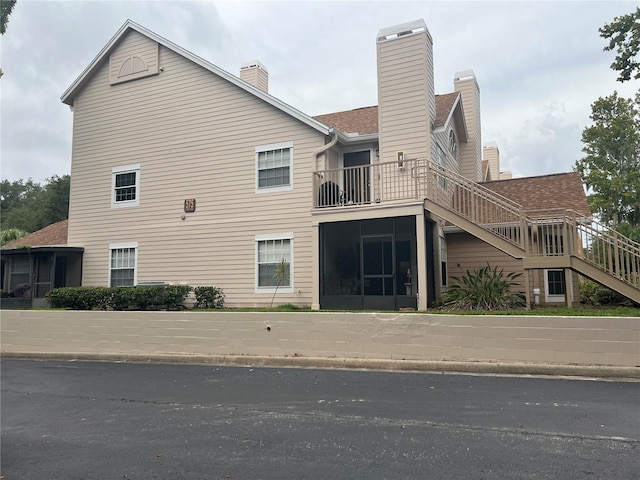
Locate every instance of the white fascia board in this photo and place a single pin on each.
(349, 139)
(69, 94)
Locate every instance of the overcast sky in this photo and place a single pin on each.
(539, 65)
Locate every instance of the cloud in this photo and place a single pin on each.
(539, 64)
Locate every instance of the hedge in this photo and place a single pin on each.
(166, 297)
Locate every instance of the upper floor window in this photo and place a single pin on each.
(125, 186)
(453, 145)
(274, 165)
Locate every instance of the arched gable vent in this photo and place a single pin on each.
(131, 66)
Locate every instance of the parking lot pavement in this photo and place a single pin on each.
(82, 420)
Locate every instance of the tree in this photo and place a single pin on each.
(11, 234)
(611, 167)
(30, 206)
(6, 6)
(623, 34)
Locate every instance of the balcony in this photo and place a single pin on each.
(375, 183)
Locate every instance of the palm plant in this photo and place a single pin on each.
(281, 275)
(484, 289)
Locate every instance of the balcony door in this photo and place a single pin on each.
(357, 181)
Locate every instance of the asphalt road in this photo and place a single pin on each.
(81, 420)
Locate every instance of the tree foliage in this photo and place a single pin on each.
(611, 167)
(11, 234)
(623, 34)
(6, 6)
(30, 206)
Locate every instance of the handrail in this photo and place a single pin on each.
(553, 232)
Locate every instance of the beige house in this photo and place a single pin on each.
(184, 173)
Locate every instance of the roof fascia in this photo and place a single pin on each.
(69, 94)
(350, 139)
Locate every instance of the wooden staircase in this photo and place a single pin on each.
(542, 239)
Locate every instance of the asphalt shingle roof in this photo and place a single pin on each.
(55, 234)
(545, 192)
(364, 120)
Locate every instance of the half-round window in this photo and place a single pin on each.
(453, 145)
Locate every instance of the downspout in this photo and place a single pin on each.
(324, 148)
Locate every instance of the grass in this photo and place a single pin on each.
(559, 311)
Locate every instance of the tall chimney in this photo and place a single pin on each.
(491, 154)
(470, 154)
(406, 101)
(255, 74)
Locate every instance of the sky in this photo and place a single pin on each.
(540, 65)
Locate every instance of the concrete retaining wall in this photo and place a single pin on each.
(606, 341)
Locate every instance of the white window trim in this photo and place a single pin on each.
(556, 298)
(133, 168)
(266, 148)
(114, 246)
(274, 236)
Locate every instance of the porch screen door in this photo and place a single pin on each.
(377, 259)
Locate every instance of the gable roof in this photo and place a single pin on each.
(52, 235)
(103, 56)
(364, 120)
(545, 192)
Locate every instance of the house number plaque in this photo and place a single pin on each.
(189, 205)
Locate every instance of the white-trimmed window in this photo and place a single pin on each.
(125, 186)
(271, 250)
(555, 285)
(122, 264)
(274, 167)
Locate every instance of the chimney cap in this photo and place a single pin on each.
(403, 29)
(253, 64)
(464, 75)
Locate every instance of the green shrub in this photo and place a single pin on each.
(170, 297)
(209, 297)
(592, 293)
(174, 295)
(483, 289)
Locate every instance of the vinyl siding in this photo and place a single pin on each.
(466, 252)
(471, 152)
(194, 136)
(405, 96)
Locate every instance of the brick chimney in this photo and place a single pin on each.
(470, 154)
(255, 74)
(406, 101)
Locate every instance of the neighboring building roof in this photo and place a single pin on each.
(71, 92)
(55, 234)
(545, 192)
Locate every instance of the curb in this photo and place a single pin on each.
(592, 371)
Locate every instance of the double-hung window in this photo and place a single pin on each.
(274, 259)
(125, 186)
(274, 167)
(122, 268)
